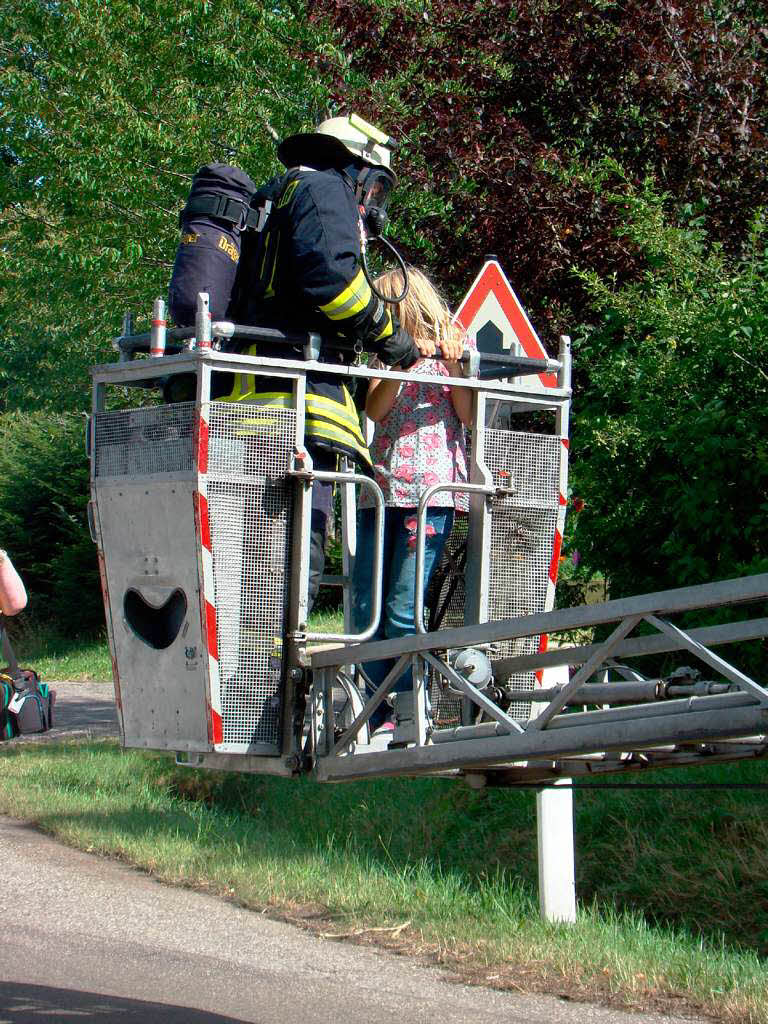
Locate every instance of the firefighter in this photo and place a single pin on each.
(308, 273)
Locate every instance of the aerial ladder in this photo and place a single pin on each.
(201, 513)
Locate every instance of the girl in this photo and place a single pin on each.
(418, 441)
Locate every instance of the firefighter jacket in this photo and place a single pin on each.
(305, 274)
(331, 421)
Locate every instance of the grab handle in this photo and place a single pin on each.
(378, 559)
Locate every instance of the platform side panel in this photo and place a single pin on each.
(524, 535)
(250, 503)
(526, 526)
(151, 568)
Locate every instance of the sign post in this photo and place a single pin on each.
(494, 315)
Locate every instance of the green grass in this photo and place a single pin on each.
(329, 620)
(57, 656)
(672, 884)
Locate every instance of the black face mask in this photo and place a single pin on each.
(372, 191)
(372, 187)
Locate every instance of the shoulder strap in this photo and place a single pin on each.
(223, 207)
(235, 211)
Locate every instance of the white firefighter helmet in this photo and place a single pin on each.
(339, 137)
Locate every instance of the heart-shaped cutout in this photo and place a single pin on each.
(158, 625)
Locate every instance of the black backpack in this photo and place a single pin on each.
(217, 213)
(256, 270)
(26, 704)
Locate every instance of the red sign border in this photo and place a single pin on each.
(491, 279)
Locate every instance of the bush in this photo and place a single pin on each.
(669, 448)
(43, 517)
(489, 98)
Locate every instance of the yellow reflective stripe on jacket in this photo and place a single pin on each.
(277, 399)
(241, 387)
(288, 192)
(253, 426)
(318, 405)
(387, 329)
(325, 408)
(351, 300)
(324, 431)
(326, 418)
(353, 437)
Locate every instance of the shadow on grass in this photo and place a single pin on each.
(695, 859)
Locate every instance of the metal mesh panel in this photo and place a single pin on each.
(137, 442)
(521, 550)
(522, 536)
(528, 463)
(523, 525)
(445, 604)
(250, 440)
(250, 509)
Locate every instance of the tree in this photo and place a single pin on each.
(496, 99)
(106, 111)
(506, 107)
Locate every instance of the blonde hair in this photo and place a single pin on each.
(424, 313)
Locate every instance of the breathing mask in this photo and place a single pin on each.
(372, 190)
(374, 185)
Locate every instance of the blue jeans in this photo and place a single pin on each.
(398, 581)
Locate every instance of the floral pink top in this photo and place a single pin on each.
(418, 443)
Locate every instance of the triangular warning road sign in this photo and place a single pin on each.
(492, 313)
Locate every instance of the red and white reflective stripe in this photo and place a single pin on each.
(203, 322)
(202, 440)
(157, 344)
(557, 547)
(157, 333)
(208, 615)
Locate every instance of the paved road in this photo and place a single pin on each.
(84, 938)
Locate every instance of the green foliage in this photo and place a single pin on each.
(106, 111)
(42, 517)
(58, 654)
(669, 438)
(491, 98)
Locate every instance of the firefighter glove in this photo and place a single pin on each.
(400, 349)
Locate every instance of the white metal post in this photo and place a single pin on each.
(554, 813)
(557, 887)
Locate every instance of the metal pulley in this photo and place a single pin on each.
(474, 666)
